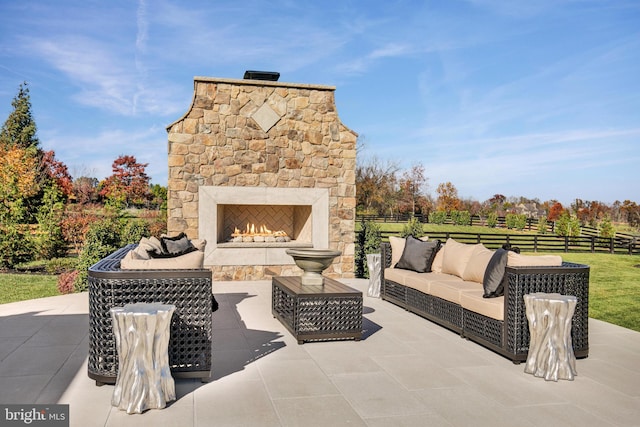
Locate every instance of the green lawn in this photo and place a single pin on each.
(21, 287)
(614, 287)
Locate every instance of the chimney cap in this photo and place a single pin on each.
(272, 76)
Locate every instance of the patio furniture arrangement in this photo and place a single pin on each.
(189, 290)
(550, 351)
(317, 312)
(142, 338)
(450, 289)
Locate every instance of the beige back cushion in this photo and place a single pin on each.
(519, 260)
(132, 261)
(436, 265)
(456, 257)
(480, 257)
(397, 247)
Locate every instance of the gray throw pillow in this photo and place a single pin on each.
(418, 255)
(493, 275)
(175, 246)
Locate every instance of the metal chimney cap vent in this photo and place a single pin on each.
(272, 76)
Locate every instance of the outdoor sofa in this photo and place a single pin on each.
(453, 292)
(188, 288)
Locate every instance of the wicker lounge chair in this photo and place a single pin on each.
(189, 290)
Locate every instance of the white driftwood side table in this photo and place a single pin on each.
(144, 379)
(550, 349)
(374, 263)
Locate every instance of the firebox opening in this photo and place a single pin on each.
(264, 225)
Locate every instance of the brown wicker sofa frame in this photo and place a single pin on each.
(508, 337)
(191, 324)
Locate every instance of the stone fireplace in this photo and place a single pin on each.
(256, 167)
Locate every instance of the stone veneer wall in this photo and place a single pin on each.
(224, 140)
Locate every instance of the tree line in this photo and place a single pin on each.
(44, 211)
(382, 189)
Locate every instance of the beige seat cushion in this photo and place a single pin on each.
(422, 281)
(451, 290)
(472, 300)
(519, 260)
(132, 261)
(456, 257)
(397, 275)
(477, 265)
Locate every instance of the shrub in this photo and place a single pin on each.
(66, 282)
(103, 237)
(413, 227)
(516, 221)
(60, 265)
(157, 221)
(492, 220)
(133, 231)
(75, 225)
(567, 225)
(542, 225)
(16, 245)
(461, 217)
(437, 217)
(606, 228)
(369, 239)
(49, 240)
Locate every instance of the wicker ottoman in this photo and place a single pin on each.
(327, 312)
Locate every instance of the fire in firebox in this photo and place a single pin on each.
(258, 234)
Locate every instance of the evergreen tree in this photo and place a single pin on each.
(19, 130)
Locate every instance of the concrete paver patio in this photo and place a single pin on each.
(406, 371)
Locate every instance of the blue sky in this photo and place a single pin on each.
(539, 99)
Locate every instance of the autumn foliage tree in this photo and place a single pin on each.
(448, 199)
(57, 173)
(375, 186)
(19, 167)
(413, 184)
(555, 211)
(129, 183)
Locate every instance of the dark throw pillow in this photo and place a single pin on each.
(493, 275)
(174, 246)
(418, 255)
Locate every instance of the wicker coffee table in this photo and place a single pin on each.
(310, 313)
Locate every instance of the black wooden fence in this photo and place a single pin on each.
(620, 244)
(541, 242)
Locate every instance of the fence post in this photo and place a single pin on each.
(566, 244)
(612, 248)
(535, 243)
(593, 244)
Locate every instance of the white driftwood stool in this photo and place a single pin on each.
(550, 349)
(144, 380)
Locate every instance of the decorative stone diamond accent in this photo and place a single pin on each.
(265, 117)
